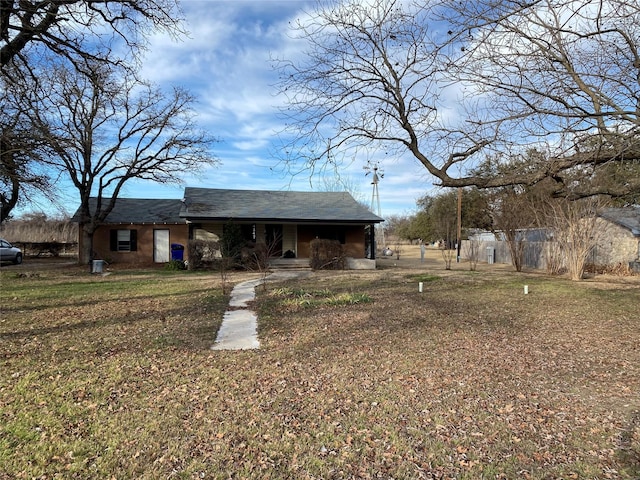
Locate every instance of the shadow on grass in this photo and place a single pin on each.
(193, 326)
(629, 446)
(96, 293)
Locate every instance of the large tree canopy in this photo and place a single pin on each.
(37, 37)
(453, 83)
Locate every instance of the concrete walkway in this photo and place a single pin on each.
(239, 329)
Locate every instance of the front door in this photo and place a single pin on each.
(161, 252)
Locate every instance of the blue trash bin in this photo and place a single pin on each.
(177, 251)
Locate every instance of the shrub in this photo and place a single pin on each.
(201, 253)
(327, 255)
(174, 265)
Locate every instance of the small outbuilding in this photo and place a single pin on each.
(621, 244)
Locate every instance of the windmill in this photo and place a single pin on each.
(376, 175)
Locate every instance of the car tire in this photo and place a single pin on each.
(18, 259)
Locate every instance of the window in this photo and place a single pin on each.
(249, 232)
(243, 231)
(124, 240)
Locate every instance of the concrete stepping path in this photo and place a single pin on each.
(239, 329)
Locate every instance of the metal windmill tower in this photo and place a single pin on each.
(377, 174)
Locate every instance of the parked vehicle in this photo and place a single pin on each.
(9, 253)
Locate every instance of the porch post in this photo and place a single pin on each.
(372, 241)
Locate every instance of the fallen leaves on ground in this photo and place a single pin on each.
(469, 379)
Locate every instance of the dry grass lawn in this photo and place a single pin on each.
(359, 376)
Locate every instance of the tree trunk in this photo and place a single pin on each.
(85, 254)
(516, 248)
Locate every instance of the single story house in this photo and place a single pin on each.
(144, 230)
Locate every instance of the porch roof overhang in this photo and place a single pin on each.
(294, 221)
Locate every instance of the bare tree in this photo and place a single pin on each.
(449, 81)
(444, 220)
(444, 217)
(37, 35)
(106, 130)
(79, 30)
(512, 210)
(472, 252)
(448, 254)
(261, 255)
(20, 173)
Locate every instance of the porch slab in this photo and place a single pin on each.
(360, 264)
(290, 263)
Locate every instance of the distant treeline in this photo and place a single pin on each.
(39, 228)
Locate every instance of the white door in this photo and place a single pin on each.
(161, 252)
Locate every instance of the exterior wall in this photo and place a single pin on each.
(354, 239)
(144, 251)
(261, 230)
(354, 245)
(306, 233)
(296, 238)
(617, 245)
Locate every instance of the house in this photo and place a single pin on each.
(144, 230)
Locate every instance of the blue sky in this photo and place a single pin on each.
(225, 63)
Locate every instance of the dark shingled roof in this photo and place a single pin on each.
(141, 210)
(219, 204)
(628, 218)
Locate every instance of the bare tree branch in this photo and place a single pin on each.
(20, 153)
(106, 129)
(453, 82)
(75, 29)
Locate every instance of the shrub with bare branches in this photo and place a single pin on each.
(327, 255)
(201, 253)
(472, 252)
(575, 231)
